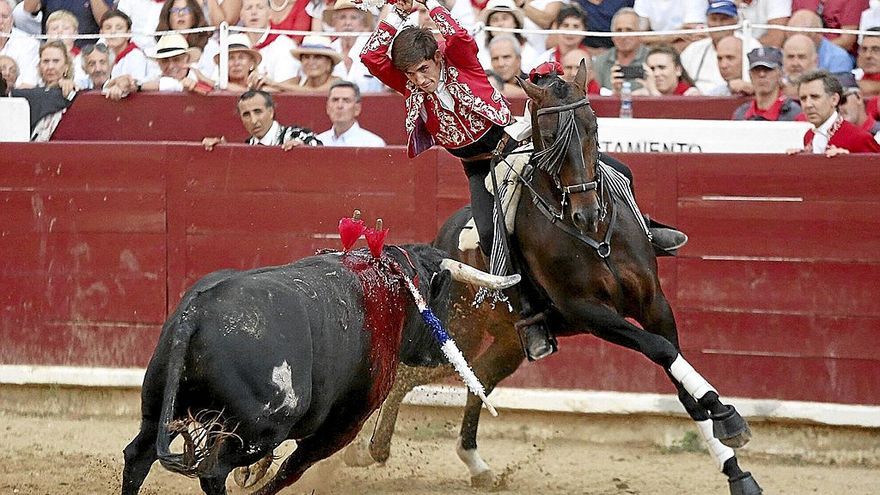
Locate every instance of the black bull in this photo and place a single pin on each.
(305, 351)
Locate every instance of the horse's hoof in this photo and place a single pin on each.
(745, 485)
(248, 476)
(731, 429)
(357, 456)
(484, 480)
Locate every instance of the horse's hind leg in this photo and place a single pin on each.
(502, 357)
(660, 320)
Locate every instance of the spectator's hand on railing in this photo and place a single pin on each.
(740, 87)
(833, 151)
(210, 142)
(67, 86)
(293, 143)
(795, 151)
(258, 80)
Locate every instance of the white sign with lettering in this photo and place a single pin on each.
(699, 136)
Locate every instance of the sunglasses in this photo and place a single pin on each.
(179, 10)
(88, 49)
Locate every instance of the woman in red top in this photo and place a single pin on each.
(664, 74)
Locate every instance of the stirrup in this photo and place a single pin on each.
(535, 338)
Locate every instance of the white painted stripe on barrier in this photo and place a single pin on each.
(534, 399)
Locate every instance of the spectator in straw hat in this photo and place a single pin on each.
(188, 14)
(504, 14)
(318, 59)
(243, 63)
(278, 64)
(172, 53)
(344, 17)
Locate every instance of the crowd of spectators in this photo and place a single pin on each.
(122, 59)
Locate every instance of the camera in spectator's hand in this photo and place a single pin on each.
(633, 72)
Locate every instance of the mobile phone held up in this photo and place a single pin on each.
(633, 72)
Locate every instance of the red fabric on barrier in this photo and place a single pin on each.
(99, 240)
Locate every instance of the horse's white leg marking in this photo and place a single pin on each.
(720, 452)
(692, 381)
(471, 458)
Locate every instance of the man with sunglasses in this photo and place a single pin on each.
(96, 63)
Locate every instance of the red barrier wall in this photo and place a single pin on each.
(185, 117)
(775, 293)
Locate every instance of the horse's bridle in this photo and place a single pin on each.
(555, 151)
(550, 160)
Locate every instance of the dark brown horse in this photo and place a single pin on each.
(590, 267)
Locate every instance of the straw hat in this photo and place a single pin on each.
(502, 6)
(317, 45)
(170, 45)
(240, 42)
(347, 4)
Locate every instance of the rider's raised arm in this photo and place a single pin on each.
(461, 49)
(375, 54)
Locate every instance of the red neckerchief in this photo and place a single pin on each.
(771, 113)
(874, 76)
(593, 87)
(834, 128)
(130, 47)
(75, 50)
(557, 55)
(871, 107)
(682, 87)
(266, 42)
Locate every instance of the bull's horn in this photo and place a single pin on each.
(468, 274)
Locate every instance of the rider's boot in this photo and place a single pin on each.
(535, 337)
(665, 239)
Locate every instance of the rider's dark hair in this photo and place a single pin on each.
(247, 95)
(830, 83)
(413, 46)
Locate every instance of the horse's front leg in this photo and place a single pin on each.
(659, 319)
(719, 423)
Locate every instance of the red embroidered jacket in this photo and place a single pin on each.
(848, 136)
(477, 105)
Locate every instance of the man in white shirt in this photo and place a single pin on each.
(343, 108)
(19, 47)
(144, 16)
(699, 59)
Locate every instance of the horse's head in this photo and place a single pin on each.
(564, 133)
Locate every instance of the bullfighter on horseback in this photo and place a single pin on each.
(450, 102)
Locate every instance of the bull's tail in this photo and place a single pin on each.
(181, 332)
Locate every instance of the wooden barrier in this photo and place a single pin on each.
(774, 295)
(186, 117)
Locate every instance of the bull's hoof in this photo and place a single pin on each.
(731, 429)
(745, 485)
(357, 455)
(484, 480)
(248, 476)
